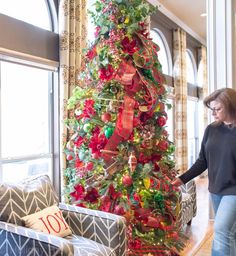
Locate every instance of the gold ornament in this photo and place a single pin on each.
(147, 182)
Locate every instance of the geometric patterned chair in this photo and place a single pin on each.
(93, 232)
(188, 202)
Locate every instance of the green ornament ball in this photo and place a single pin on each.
(158, 197)
(108, 131)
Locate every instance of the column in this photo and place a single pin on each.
(221, 43)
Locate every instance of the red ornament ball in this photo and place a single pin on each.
(69, 157)
(127, 181)
(161, 121)
(163, 145)
(106, 117)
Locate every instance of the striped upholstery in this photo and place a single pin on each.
(188, 202)
(94, 232)
(102, 227)
(24, 198)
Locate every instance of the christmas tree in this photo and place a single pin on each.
(120, 159)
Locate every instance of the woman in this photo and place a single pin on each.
(218, 155)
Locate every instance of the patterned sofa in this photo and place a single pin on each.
(188, 203)
(93, 232)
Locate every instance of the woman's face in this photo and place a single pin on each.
(218, 111)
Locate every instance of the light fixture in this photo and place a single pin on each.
(203, 14)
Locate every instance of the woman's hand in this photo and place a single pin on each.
(177, 182)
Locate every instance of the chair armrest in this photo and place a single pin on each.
(17, 240)
(105, 228)
(188, 203)
(190, 188)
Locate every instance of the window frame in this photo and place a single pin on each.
(26, 44)
(194, 65)
(167, 50)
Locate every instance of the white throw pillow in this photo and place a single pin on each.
(49, 220)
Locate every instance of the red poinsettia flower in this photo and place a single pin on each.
(92, 195)
(91, 53)
(113, 194)
(96, 131)
(129, 46)
(89, 108)
(79, 141)
(97, 142)
(106, 73)
(143, 158)
(78, 193)
(105, 204)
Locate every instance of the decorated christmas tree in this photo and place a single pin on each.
(120, 159)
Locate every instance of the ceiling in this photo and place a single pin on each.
(189, 12)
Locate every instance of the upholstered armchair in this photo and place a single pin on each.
(93, 232)
(188, 203)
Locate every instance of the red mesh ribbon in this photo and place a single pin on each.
(144, 57)
(124, 125)
(151, 96)
(125, 73)
(123, 130)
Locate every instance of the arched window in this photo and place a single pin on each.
(192, 109)
(29, 123)
(191, 68)
(192, 126)
(164, 55)
(35, 12)
(200, 74)
(170, 119)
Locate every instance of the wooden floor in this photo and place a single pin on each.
(201, 224)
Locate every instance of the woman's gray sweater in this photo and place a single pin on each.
(218, 155)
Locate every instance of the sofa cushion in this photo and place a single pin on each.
(49, 220)
(29, 196)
